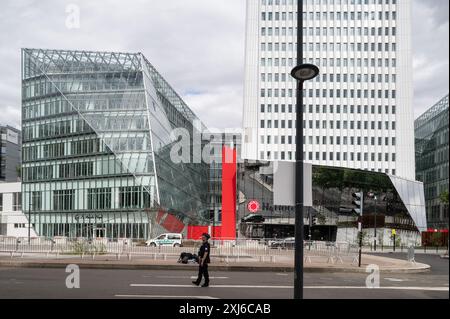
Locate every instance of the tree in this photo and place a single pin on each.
(443, 197)
(19, 172)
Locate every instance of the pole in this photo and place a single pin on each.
(29, 219)
(375, 227)
(394, 241)
(299, 231)
(360, 229)
(360, 243)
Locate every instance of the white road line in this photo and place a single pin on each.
(212, 286)
(381, 288)
(395, 279)
(291, 287)
(183, 277)
(164, 296)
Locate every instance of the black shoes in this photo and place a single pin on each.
(198, 284)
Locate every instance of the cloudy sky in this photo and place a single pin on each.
(197, 45)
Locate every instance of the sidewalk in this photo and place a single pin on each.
(386, 265)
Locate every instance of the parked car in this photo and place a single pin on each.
(170, 239)
(253, 218)
(286, 243)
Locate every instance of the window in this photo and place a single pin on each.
(17, 201)
(36, 203)
(99, 198)
(130, 197)
(64, 199)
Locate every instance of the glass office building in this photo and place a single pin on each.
(96, 147)
(431, 133)
(10, 153)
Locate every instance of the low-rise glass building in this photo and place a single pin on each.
(389, 203)
(97, 147)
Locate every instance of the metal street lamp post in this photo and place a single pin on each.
(375, 226)
(302, 72)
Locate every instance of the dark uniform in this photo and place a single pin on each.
(203, 269)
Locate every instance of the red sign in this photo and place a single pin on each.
(253, 206)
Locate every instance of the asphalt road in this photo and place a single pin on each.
(51, 283)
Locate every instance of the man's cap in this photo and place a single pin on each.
(206, 235)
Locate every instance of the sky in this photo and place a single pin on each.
(197, 45)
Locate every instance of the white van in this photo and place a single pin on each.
(170, 239)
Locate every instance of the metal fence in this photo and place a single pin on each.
(271, 250)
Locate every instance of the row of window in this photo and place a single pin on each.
(80, 83)
(364, 14)
(104, 166)
(330, 140)
(331, 109)
(53, 106)
(55, 129)
(334, 32)
(346, 125)
(327, 2)
(97, 198)
(366, 62)
(331, 156)
(334, 78)
(324, 93)
(289, 47)
(57, 150)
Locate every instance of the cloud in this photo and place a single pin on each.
(197, 45)
(430, 46)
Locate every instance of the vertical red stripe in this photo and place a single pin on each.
(228, 230)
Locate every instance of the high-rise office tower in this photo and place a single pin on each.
(358, 112)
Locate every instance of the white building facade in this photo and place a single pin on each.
(12, 220)
(358, 111)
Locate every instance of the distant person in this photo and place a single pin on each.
(203, 261)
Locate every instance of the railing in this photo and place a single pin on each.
(271, 250)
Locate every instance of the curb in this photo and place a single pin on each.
(86, 265)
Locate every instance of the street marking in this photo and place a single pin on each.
(282, 274)
(183, 277)
(212, 286)
(395, 279)
(380, 288)
(291, 287)
(164, 296)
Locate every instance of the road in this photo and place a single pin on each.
(97, 283)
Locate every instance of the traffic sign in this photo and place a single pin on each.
(253, 206)
(394, 232)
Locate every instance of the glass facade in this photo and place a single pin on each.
(431, 133)
(389, 203)
(10, 154)
(97, 140)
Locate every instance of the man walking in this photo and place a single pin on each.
(203, 261)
